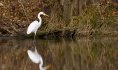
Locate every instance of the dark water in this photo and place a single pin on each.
(79, 54)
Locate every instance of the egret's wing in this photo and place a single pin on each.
(33, 56)
(32, 27)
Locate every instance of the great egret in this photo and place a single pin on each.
(33, 27)
(36, 58)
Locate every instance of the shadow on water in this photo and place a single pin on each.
(80, 54)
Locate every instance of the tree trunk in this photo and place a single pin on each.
(67, 13)
(76, 8)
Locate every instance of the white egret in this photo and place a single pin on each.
(33, 27)
(36, 58)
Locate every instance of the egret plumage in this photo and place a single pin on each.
(33, 27)
(36, 58)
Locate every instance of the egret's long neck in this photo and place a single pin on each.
(39, 17)
(41, 65)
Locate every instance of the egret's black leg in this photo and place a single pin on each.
(34, 40)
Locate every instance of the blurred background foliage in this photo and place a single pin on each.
(76, 17)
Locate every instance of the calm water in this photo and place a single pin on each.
(79, 54)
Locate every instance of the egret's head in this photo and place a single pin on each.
(42, 13)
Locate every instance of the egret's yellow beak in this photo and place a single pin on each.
(48, 67)
(1, 5)
(46, 15)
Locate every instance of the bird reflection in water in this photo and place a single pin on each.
(35, 57)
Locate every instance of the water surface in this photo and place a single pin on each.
(77, 54)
